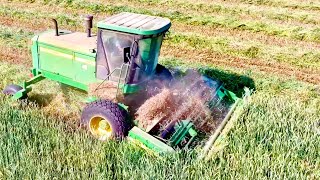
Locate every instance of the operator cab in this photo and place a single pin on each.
(128, 46)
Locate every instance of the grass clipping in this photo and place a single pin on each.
(181, 101)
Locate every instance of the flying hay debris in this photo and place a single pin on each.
(187, 98)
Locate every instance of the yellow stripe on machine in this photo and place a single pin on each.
(67, 56)
(85, 61)
(56, 53)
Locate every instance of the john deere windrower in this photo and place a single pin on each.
(125, 51)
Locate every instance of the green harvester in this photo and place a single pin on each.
(125, 51)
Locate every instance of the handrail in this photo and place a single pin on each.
(110, 75)
(105, 79)
(123, 64)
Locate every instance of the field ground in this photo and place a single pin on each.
(271, 46)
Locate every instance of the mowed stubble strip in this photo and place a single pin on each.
(306, 32)
(230, 22)
(68, 17)
(180, 26)
(216, 8)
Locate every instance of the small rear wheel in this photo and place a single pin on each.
(105, 120)
(12, 89)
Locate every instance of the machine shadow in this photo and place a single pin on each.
(231, 81)
(45, 99)
(41, 100)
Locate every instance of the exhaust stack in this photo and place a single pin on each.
(56, 27)
(88, 24)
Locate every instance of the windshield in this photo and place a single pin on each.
(114, 45)
(120, 47)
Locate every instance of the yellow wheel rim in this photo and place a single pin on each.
(100, 127)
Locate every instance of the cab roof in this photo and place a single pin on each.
(135, 23)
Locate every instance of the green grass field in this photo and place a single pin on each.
(271, 46)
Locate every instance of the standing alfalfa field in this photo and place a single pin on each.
(271, 47)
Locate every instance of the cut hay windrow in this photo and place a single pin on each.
(280, 69)
(156, 108)
(12, 16)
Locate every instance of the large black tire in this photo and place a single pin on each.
(116, 117)
(13, 89)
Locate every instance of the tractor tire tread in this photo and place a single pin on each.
(116, 115)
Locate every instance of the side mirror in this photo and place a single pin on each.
(126, 54)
